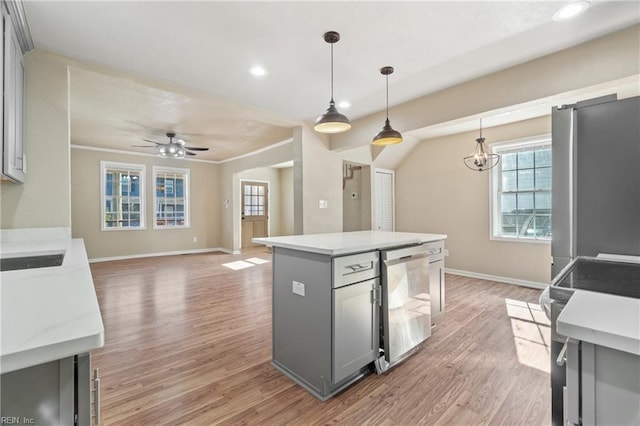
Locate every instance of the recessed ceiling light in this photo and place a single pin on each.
(344, 104)
(258, 71)
(570, 10)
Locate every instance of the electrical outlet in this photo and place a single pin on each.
(446, 252)
(195, 239)
(323, 204)
(298, 288)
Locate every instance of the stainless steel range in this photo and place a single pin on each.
(620, 278)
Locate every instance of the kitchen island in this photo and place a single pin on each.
(50, 322)
(328, 302)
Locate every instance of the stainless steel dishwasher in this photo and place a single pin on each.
(406, 303)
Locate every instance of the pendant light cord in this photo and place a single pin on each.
(332, 73)
(387, 76)
(481, 128)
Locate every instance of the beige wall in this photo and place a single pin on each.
(286, 201)
(44, 199)
(436, 193)
(86, 216)
(321, 180)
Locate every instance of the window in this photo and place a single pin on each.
(521, 190)
(122, 196)
(171, 198)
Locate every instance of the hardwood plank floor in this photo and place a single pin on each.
(188, 341)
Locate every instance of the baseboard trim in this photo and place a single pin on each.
(507, 280)
(167, 253)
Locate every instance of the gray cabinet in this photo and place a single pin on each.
(56, 392)
(436, 290)
(603, 385)
(325, 318)
(436, 280)
(13, 156)
(355, 327)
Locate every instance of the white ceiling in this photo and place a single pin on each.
(205, 48)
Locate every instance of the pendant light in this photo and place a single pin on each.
(387, 136)
(481, 159)
(332, 121)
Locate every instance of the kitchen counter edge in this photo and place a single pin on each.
(602, 319)
(343, 243)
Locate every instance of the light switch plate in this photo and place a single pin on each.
(298, 288)
(323, 204)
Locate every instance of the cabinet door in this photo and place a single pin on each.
(13, 155)
(355, 327)
(436, 289)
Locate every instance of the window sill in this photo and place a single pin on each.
(140, 228)
(172, 227)
(521, 240)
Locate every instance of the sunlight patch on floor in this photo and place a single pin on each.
(243, 264)
(237, 265)
(531, 333)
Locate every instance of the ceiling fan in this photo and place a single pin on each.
(173, 149)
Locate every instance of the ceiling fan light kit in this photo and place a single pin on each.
(172, 149)
(387, 136)
(332, 121)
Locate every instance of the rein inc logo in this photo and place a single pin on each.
(16, 420)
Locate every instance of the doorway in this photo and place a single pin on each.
(255, 211)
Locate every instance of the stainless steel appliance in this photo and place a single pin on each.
(596, 207)
(406, 303)
(583, 274)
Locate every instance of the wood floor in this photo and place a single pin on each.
(188, 341)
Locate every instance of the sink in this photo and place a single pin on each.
(31, 262)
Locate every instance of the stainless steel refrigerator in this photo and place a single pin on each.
(596, 195)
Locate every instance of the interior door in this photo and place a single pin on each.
(384, 220)
(255, 211)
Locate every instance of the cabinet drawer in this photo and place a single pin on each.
(355, 268)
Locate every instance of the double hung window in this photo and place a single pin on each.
(171, 197)
(122, 196)
(521, 190)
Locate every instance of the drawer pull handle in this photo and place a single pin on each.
(562, 356)
(359, 267)
(96, 396)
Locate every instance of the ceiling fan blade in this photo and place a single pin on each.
(143, 146)
(189, 153)
(195, 148)
(157, 143)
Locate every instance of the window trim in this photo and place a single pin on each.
(141, 168)
(513, 144)
(187, 196)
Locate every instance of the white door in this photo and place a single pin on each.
(384, 217)
(255, 212)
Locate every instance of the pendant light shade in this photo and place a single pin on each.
(332, 121)
(481, 158)
(387, 136)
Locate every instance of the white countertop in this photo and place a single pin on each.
(602, 319)
(341, 243)
(47, 313)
